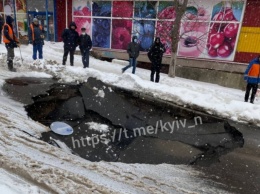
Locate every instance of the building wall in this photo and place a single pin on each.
(61, 16)
(249, 39)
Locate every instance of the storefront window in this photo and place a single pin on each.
(209, 29)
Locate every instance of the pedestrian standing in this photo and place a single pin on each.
(70, 38)
(1, 27)
(36, 38)
(85, 44)
(155, 55)
(252, 76)
(10, 41)
(133, 49)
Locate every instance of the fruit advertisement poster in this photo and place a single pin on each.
(210, 30)
(144, 23)
(101, 32)
(21, 17)
(166, 15)
(82, 15)
(121, 33)
(121, 24)
(8, 7)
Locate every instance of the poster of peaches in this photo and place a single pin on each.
(211, 30)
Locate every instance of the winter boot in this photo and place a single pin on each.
(64, 60)
(10, 65)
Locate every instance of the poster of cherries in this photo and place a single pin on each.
(211, 31)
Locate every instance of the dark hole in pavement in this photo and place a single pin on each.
(115, 124)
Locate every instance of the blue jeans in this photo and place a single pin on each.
(85, 58)
(37, 47)
(132, 63)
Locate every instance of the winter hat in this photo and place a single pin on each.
(9, 19)
(73, 24)
(157, 38)
(35, 20)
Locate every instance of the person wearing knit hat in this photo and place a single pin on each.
(36, 38)
(10, 41)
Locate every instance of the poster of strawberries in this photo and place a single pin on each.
(210, 30)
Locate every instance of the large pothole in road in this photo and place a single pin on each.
(113, 124)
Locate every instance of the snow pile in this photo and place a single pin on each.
(213, 99)
(102, 128)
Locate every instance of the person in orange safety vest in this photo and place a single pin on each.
(252, 76)
(36, 38)
(10, 41)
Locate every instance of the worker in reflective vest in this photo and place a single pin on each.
(36, 38)
(10, 41)
(252, 76)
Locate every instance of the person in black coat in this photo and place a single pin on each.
(70, 38)
(133, 51)
(10, 40)
(85, 44)
(36, 38)
(155, 54)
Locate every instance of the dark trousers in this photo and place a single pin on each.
(155, 68)
(37, 48)
(248, 89)
(85, 58)
(66, 52)
(132, 63)
(10, 57)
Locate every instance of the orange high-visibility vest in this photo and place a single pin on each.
(254, 71)
(10, 32)
(32, 28)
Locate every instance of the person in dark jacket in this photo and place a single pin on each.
(85, 44)
(1, 27)
(155, 54)
(133, 51)
(70, 38)
(252, 76)
(36, 38)
(10, 41)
